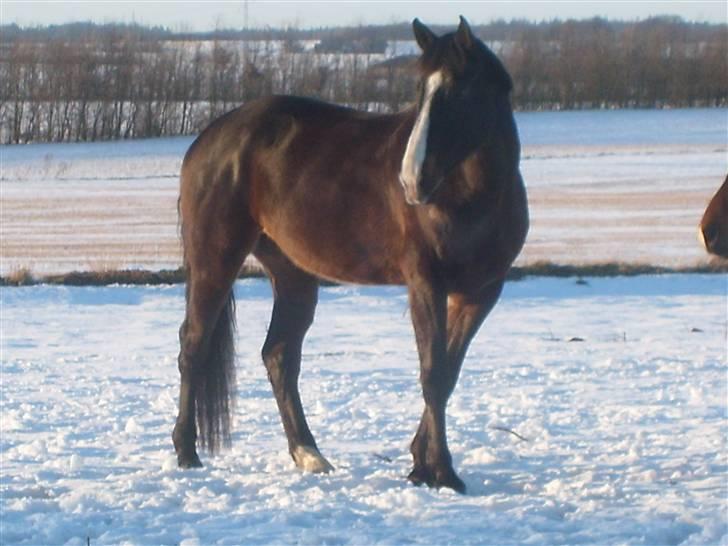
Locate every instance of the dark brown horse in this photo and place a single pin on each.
(713, 230)
(430, 197)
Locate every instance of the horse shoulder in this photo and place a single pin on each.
(476, 243)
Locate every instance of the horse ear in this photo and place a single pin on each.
(464, 36)
(424, 36)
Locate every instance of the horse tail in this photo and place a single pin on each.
(213, 371)
(215, 391)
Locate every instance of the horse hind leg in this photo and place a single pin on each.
(206, 357)
(295, 298)
(206, 373)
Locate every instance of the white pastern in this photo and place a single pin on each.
(309, 459)
(414, 154)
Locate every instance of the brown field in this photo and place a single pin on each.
(51, 225)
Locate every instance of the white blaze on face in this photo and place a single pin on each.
(414, 155)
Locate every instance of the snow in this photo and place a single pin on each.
(625, 431)
(586, 412)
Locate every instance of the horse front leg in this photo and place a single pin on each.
(432, 459)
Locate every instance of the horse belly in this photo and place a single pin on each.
(333, 253)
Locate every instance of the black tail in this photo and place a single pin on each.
(215, 391)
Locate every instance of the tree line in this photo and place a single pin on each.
(85, 82)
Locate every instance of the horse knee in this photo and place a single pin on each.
(436, 386)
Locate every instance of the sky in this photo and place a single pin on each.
(199, 15)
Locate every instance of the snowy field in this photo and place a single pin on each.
(618, 385)
(625, 427)
(627, 186)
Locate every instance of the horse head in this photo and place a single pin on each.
(713, 231)
(463, 90)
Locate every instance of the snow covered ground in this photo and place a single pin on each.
(626, 430)
(627, 186)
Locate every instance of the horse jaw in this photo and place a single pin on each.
(309, 459)
(414, 154)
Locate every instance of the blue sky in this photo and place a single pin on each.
(201, 15)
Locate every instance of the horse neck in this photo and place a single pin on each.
(403, 122)
(392, 132)
(481, 179)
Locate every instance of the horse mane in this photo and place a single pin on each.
(446, 53)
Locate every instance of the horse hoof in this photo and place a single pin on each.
(189, 461)
(437, 478)
(419, 476)
(452, 481)
(309, 459)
